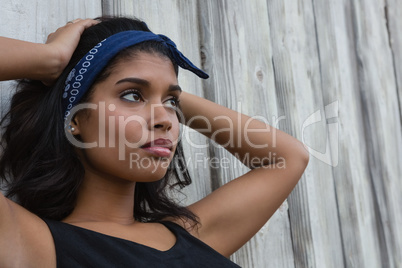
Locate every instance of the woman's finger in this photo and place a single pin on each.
(74, 21)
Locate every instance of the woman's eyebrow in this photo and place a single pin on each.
(174, 88)
(146, 83)
(134, 80)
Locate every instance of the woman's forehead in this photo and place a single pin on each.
(150, 68)
(142, 61)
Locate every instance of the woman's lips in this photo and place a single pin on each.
(158, 151)
(159, 147)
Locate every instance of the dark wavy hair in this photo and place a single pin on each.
(40, 168)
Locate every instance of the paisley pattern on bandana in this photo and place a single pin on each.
(82, 76)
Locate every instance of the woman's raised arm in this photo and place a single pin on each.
(45, 62)
(24, 238)
(232, 214)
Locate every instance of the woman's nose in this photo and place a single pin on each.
(160, 117)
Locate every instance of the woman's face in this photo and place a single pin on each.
(134, 127)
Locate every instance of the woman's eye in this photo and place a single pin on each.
(132, 96)
(173, 102)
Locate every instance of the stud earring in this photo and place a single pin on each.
(72, 129)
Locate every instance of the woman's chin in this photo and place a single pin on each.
(149, 174)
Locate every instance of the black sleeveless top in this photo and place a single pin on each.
(79, 247)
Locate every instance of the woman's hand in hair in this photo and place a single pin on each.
(44, 62)
(63, 43)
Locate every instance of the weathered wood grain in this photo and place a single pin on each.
(335, 37)
(236, 42)
(393, 13)
(314, 222)
(381, 117)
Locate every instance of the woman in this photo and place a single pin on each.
(92, 150)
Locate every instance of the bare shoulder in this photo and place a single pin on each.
(25, 238)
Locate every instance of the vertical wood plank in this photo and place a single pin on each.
(335, 37)
(382, 120)
(394, 23)
(314, 222)
(236, 42)
(393, 13)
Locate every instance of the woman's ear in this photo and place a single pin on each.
(74, 126)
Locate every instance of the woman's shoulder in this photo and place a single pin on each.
(26, 239)
(196, 249)
(182, 225)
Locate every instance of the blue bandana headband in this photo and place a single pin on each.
(87, 69)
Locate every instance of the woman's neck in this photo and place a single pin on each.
(104, 200)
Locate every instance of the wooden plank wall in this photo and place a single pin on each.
(327, 72)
